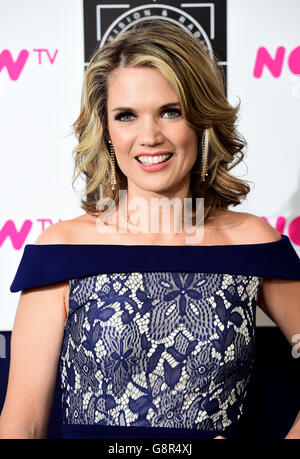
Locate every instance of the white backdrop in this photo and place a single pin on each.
(39, 106)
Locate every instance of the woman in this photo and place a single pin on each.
(152, 336)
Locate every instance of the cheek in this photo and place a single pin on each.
(185, 141)
(188, 153)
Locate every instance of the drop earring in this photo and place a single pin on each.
(204, 154)
(113, 171)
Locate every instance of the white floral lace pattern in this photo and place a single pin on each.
(161, 349)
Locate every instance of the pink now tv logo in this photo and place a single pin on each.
(15, 67)
(275, 65)
(18, 237)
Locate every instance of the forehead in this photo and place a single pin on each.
(133, 85)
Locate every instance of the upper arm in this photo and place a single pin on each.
(278, 298)
(35, 350)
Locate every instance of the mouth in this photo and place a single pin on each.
(152, 160)
(152, 165)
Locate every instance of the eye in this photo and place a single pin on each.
(120, 116)
(175, 110)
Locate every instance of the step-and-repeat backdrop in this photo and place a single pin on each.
(44, 49)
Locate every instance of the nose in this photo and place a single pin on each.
(150, 134)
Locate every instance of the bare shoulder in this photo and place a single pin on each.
(246, 228)
(255, 230)
(57, 233)
(74, 231)
(63, 232)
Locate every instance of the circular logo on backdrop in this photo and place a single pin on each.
(205, 20)
(159, 11)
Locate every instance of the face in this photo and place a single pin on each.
(145, 127)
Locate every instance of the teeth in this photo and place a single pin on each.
(153, 160)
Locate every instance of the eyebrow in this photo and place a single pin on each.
(171, 104)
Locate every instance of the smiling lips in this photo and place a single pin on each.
(156, 153)
(154, 162)
(153, 159)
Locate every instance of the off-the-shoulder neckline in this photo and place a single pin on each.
(259, 244)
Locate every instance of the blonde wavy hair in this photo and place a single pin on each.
(199, 82)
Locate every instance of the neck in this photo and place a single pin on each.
(159, 214)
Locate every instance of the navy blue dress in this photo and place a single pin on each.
(159, 340)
